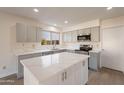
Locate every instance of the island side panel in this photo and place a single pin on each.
(29, 78)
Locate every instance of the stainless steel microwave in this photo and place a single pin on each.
(84, 37)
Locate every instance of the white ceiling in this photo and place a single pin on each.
(57, 15)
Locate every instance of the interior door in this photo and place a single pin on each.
(113, 45)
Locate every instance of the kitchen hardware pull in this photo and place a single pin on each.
(83, 63)
(65, 75)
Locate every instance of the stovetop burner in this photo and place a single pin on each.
(86, 48)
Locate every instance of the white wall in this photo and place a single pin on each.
(113, 43)
(8, 41)
(112, 22)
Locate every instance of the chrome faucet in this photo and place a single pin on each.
(54, 44)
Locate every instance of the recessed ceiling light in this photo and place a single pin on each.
(36, 10)
(109, 8)
(65, 22)
(55, 24)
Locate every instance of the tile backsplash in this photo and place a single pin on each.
(96, 45)
(35, 46)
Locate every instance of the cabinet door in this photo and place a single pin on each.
(51, 81)
(31, 33)
(74, 36)
(39, 35)
(68, 36)
(80, 32)
(86, 31)
(77, 70)
(21, 32)
(64, 37)
(67, 77)
(95, 34)
(84, 71)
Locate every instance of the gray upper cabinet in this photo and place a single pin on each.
(39, 34)
(74, 36)
(31, 33)
(67, 37)
(80, 32)
(95, 34)
(64, 37)
(21, 32)
(86, 31)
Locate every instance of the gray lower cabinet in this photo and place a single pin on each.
(94, 60)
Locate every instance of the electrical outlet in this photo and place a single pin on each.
(4, 67)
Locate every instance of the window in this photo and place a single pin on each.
(55, 38)
(49, 37)
(46, 37)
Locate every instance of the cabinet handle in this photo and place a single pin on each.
(83, 63)
(65, 75)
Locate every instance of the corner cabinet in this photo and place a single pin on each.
(74, 75)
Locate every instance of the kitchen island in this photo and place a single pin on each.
(56, 69)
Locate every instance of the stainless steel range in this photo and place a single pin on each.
(84, 49)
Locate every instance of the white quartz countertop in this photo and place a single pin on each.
(19, 52)
(46, 66)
